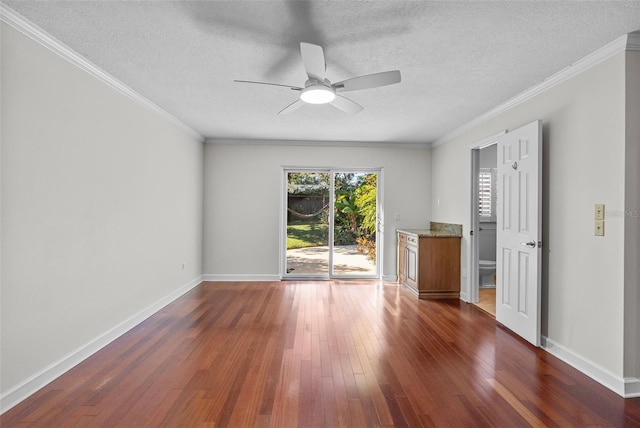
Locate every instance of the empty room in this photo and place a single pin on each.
(319, 213)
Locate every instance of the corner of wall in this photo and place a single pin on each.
(632, 387)
(632, 215)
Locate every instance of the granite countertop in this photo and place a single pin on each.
(430, 233)
(437, 230)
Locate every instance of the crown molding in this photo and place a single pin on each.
(12, 18)
(629, 41)
(361, 144)
(633, 41)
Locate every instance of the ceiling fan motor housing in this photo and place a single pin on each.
(317, 92)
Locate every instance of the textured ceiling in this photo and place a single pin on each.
(458, 59)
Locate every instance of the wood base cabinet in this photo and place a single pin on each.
(429, 265)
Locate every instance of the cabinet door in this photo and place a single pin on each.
(402, 262)
(412, 266)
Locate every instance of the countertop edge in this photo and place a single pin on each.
(427, 233)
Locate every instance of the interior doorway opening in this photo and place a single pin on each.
(331, 223)
(486, 236)
(484, 203)
(518, 212)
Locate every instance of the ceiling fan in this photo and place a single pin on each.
(319, 90)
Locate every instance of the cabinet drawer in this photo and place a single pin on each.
(411, 239)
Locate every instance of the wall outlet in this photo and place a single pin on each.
(599, 211)
(183, 265)
(599, 228)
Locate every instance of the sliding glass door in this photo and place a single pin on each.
(355, 224)
(308, 199)
(332, 220)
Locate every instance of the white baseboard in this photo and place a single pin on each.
(256, 277)
(32, 384)
(625, 387)
(239, 278)
(632, 387)
(464, 297)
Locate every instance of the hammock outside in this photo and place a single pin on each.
(297, 214)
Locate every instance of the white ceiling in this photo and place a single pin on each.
(458, 59)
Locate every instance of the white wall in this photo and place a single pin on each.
(101, 205)
(489, 156)
(584, 159)
(243, 199)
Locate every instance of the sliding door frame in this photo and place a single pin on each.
(283, 221)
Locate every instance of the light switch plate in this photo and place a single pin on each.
(599, 211)
(599, 228)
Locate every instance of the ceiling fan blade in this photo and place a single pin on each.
(313, 60)
(369, 81)
(292, 107)
(346, 105)
(296, 88)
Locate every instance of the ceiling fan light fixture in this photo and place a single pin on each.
(317, 94)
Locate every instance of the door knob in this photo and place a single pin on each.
(530, 244)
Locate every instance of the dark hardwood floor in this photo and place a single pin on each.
(320, 354)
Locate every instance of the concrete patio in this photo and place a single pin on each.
(347, 260)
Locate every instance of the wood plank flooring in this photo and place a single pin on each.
(487, 300)
(333, 354)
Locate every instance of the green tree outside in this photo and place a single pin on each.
(355, 211)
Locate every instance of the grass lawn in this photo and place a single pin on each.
(302, 235)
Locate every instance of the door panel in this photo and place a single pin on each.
(402, 262)
(307, 213)
(507, 205)
(523, 283)
(412, 266)
(519, 231)
(355, 225)
(505, 295)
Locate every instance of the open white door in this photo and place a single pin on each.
(519, 231)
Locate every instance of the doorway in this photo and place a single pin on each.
(518, 211)
(331, 223)
(484, 217)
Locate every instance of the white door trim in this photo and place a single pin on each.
(472, 190)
